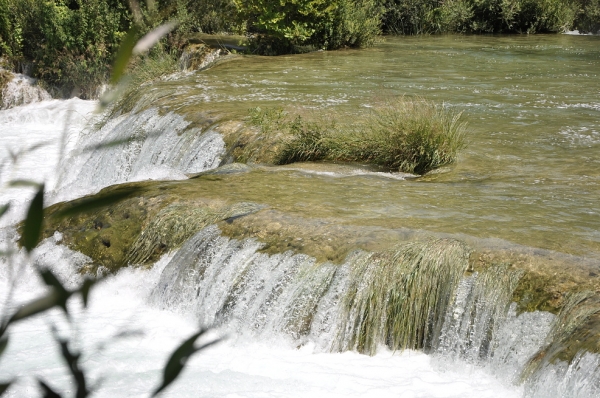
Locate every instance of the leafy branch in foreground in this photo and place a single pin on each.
(58, 295)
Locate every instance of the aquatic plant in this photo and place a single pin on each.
(174, 224)
(411, 135)
(399, 297)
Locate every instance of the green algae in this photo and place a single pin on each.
(576, 330)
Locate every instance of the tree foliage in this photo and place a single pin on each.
(301, 25)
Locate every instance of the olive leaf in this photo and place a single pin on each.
(3, 344)
(124, 54)
(179, 358)
(33, 223)
(4, 209)
(87, 204)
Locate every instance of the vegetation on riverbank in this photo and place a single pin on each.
(70, 44)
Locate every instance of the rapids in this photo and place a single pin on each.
(529, 176)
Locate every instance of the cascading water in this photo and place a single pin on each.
(140, 146)
(370, 301)
(21, 90)
(296, 325)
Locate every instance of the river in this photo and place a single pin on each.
(529, 178)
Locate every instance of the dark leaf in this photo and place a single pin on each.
(4, 387)
(178, 359)
(33, 222)
(85, 289)
(51, 280)
(123, 55)
(4, 209)
(88, 204)
(72, 360)
(24, 183)
(48, 392)
(52, 299)
(3, 344)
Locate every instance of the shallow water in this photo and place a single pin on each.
(530, 175)
(531, 172)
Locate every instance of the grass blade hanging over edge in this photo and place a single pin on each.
(179, 358)
(33, 223)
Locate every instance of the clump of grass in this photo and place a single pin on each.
(399, 297)
(405, 134)
(414, 135)
(174, 224)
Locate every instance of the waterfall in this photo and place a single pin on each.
(21, 90)
(139, 146)
(413, 296)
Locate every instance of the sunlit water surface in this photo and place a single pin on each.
(530, 175)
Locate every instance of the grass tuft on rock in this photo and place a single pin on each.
(411, 135)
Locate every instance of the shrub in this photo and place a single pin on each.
(304, 25)
(479, 16)
(71, 43)
(587, 18)
(412, 16)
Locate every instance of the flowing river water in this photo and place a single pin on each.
(529, 178)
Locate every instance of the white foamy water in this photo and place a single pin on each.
(22, 90)
(136, 147)
(131, 367)
(241, 366)
(33, 138)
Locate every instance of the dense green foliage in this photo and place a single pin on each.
(490, 16)
(70, 44)
(304, 25)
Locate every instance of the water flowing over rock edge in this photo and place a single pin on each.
(265, 252)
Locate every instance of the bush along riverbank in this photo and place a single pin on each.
(70, 44)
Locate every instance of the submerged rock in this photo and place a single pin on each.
(201, 56)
